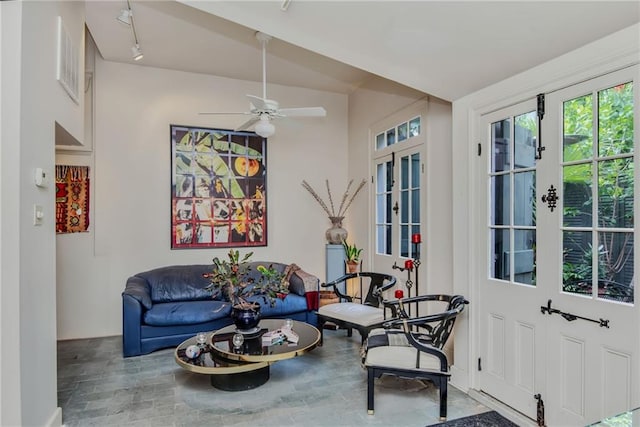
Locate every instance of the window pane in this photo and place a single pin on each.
(415, 170)
(616, 265)
(615, 120)
(380, 141)
(404, 173)
(391, 136)
(524, 194)
(524, 257)
(577, 200)
(404, 241)
(381, 208)
(389, 181)
(578, 129)
(525, 136)
(381, 245)
(414, 127)
(615, 193)
(388, 240)
(388, 208)
(500, 197)
(501, 247)
(501, 145)
(415, 206)
(577, 275)
(403, 131)
(381, 177)
(404, 207)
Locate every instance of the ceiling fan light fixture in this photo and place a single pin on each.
(264, 127)
(137, 52)
(125, 17)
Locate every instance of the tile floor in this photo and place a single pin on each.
(327, 387)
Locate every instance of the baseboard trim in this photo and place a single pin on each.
(56, 418)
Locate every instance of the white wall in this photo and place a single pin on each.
(130, 217)
(32, 101)
(10, 385)
(608, 54)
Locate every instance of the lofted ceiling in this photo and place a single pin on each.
(444, 48)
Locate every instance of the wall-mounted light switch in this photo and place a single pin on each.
(41, 178)
(38, 214)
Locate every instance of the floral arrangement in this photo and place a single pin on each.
(231, 279)
(345, 202)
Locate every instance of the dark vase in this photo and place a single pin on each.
(246, 319)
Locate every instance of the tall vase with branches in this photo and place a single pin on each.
(336, 234)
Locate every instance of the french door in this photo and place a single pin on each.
(398, 175)
(558, 311)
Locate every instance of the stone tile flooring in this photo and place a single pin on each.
(327, 387)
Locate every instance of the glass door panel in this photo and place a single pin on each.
(598, 231)
(513, 198)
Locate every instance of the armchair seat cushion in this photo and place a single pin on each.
(186, 312)
(353, 313)
(391, 349)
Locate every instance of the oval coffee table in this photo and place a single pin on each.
(246, 367)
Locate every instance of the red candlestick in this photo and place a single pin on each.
(399, 293)
(416, 238)
(408, 264)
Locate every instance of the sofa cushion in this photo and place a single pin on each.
(178, 283)
(186, 312)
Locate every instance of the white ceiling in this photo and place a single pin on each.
(443, 48)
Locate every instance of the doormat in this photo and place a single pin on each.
(486, 419)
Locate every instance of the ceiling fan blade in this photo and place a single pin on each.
(246, 125)
(257, 102)
(303, 112)
(230, 113)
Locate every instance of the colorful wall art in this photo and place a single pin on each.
(218, 188)
(72, 199)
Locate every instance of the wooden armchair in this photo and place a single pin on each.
(413, 354)
(352, 315)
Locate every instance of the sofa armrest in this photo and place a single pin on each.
(138, 289)
(305, 284)
(131, 326)
(301, 282)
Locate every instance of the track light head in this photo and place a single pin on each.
(125, 17)
(137, 53)
(264, 127)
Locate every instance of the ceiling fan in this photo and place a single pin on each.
(263, 110)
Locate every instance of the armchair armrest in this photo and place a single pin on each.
(376, 287)
(334, 286)
(397, 306)
(438, 326)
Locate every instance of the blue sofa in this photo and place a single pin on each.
(165, 306)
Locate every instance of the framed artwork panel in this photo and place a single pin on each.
(218, 188)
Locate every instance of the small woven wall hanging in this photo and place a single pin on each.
(72, 199)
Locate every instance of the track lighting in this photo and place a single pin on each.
(137, 53)
(264, 127)
(126, 17)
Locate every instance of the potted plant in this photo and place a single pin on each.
(352, 253)
(230, 278)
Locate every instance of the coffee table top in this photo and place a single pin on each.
(219, 357)
(252, 349)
